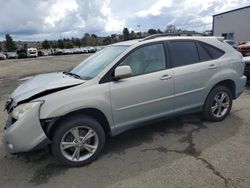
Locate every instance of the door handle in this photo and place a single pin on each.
(166, 77)
(212, 66)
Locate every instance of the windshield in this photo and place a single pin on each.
(93, 65)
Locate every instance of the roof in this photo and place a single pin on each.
(126, 43)
(232, 10)
(161, 38)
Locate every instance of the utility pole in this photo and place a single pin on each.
(139, 28)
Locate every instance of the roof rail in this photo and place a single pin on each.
(172, 34)
(220, 38)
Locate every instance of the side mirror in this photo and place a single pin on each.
(122, 72)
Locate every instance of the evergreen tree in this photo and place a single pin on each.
(126, 34)
(10, 45)
(46, 44)
(77, 42)
(60, 44)
(152, 31)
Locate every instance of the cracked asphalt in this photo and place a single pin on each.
(184, 151)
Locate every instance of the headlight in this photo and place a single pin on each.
(21, 109)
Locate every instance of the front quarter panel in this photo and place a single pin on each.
(95, 96)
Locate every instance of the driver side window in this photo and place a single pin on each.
(146, 59)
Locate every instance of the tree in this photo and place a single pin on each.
(77, 42)
(53, 45)
(126, 34)
(152, 31)
(107, 40)
(46, 44)
(94, 36)
(24, 46)
(68, 45)
(86, 39)
(114, 38)
(132, 35)
(10, 45)
(60, 44)
(159, 31)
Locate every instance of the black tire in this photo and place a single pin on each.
(207, 108)
(68, 124)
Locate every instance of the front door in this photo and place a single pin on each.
(148, 93)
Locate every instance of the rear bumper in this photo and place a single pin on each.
(241, 86)
(26, 133)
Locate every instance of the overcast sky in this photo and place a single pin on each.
(54, 19)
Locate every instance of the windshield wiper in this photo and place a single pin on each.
(72, 74)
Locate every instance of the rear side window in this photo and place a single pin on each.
(183, 53)
(215, 53)
(204, 55)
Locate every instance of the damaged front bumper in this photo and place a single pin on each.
(26, 133)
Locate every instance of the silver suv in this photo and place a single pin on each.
(122, 86)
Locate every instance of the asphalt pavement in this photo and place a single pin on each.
(184, 151)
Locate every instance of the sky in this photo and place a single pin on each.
(54, 19)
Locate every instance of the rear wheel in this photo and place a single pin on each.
(218, 104)
(78, 141)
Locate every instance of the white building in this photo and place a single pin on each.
(233, 25)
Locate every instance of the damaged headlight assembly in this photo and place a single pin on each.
(22, 109)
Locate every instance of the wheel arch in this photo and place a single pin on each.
(228, 83)
(50, 125)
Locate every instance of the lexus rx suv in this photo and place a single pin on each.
(122, 86)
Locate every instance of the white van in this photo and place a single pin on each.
(32, 52)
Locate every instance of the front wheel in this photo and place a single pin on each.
(218, 104)
(78, 141)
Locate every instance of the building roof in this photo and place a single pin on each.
(232, 10)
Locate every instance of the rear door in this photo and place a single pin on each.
(193, 66)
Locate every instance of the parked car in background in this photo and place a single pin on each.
(11, 55)
(40, 53)
(22, 54)
(58, 52)
(67, 51)
(84, 50)
(244, 48)
(91, 49)
(32, 52)
(2, 56)
(76, 51)
(232, 43)
(247, 67)
(122, 86)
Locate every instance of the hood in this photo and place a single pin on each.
(43, 83)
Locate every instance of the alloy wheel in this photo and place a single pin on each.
(220, 104)
(79, 143)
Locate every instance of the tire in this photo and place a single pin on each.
(72, 150)
(212, 107)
